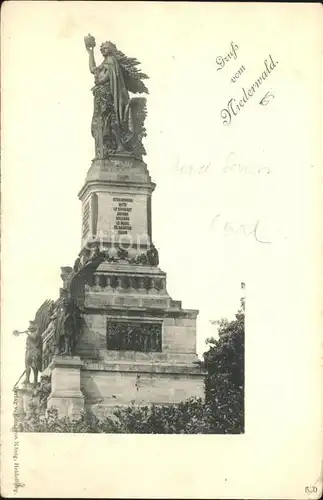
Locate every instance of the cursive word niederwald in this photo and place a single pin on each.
(234, 106)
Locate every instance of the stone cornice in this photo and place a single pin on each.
(142, 367)
(97, 185)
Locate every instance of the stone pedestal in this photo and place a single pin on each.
(137, 344)
(125, 382)
(116, 205)
(66, 393)
(23, 398)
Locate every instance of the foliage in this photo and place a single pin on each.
(188, 417)
(185, 418)
(51, 422)
(224, 362)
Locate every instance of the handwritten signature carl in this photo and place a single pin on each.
(240, 229)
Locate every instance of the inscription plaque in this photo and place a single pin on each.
(123, 223)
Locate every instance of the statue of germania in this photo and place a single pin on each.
(118, 119)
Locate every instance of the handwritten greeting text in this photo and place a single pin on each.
(232, 165)
(232, 54)
(234, 106)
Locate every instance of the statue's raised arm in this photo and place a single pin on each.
(90, 44)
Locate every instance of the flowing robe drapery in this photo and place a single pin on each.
(117, 86)
(110, 104)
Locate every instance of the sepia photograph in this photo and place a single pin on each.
(114, 350)
(161, 241)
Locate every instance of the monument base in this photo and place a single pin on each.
(137, 344)
(67, 406)
(23, 397)
(119, 383)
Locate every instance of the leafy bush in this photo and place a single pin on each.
(189, 417)
(51, 422)
(224, 362)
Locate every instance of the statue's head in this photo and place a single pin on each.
(65, 272)
(107, 48)
(32, 326)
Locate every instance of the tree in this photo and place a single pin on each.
(224, 384)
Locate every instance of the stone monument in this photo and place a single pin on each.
(115, 336)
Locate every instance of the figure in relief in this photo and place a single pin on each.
(152, 255)
(33, 353)
(57, 325)
(68, 324)
(118, 119)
